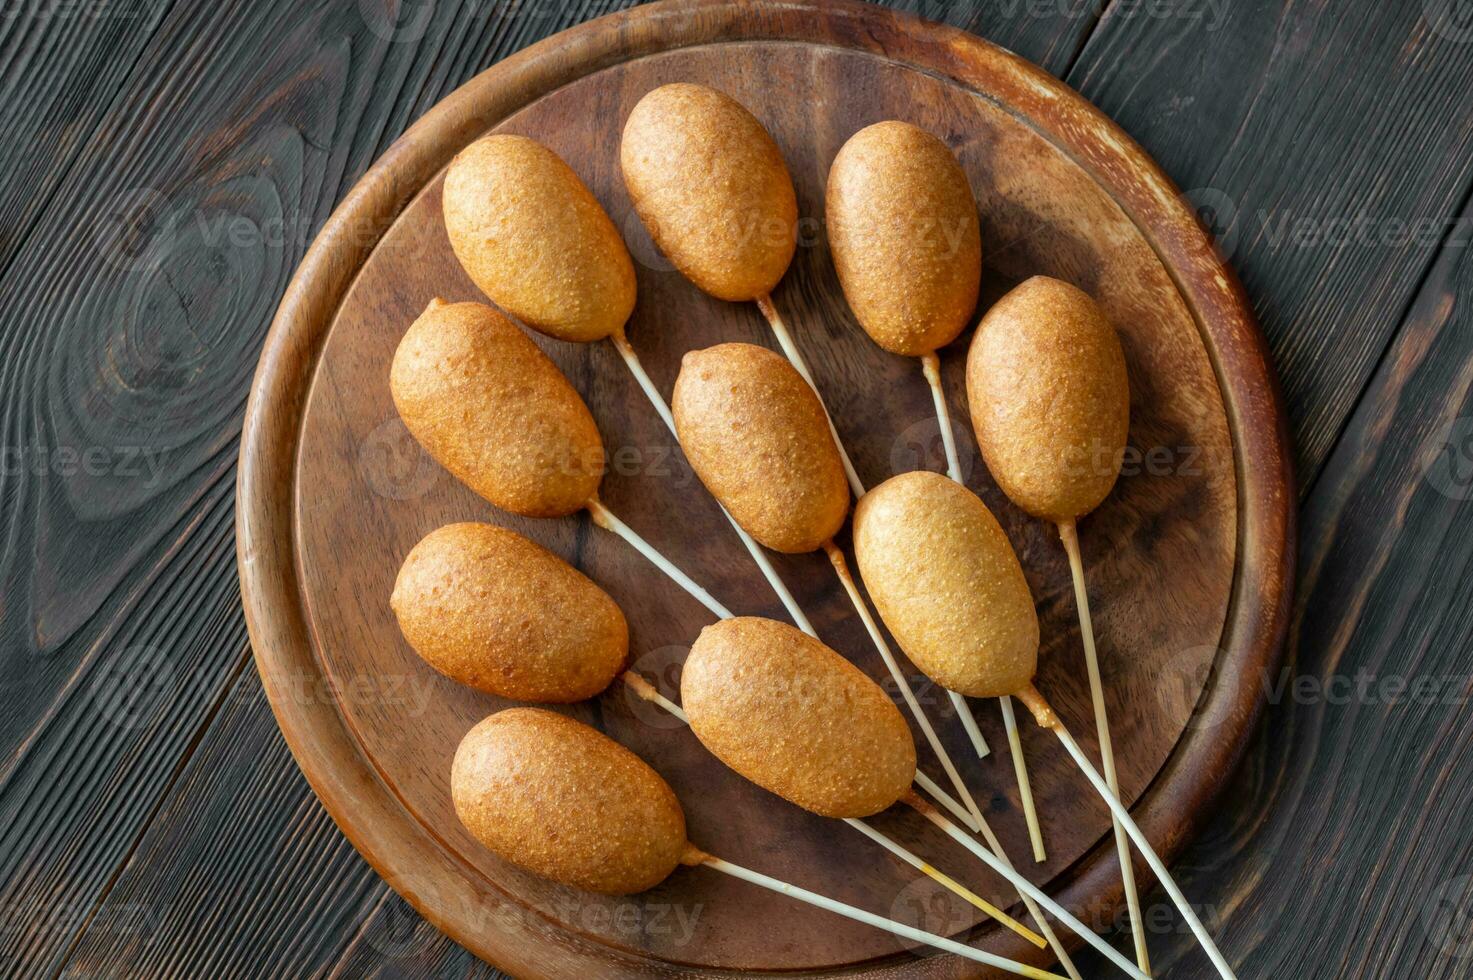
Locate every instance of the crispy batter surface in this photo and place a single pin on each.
(947, 583)
(712, 188)
(758, 438)
(535, 240)
(796, 718)
(488, 608)
(904, 234)
(1050, 400)
(495, 411)
(564, 801)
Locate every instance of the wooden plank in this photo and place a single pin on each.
(1345, 850)
(129, 361)
(258, 117)
(59, 71)
(229, 880)
(1330, 149)
(1049, 34)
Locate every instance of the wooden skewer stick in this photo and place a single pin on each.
(969, 722)
(1022, 884)
(1028, 903)
(644, 689)
(695, 856)
(606, 519)
(1068, 533)
(931, 368)
(636, 368)
(945, 799)
(1046, 717)
(992, 911)
(795, 356)
(1157, 865)
(1025, 787)
(841, 569)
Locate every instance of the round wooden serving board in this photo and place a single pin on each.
(1189, 560)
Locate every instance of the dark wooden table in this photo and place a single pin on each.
(168, 161)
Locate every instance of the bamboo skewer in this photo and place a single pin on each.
(1122, 815)
(607, 520)
(795, 357)
(868, 918)
(931, 368)
(987, 908)
(1033, 909)
(1068, 533)
(647, 691)
(636, 368)
(944, 798)
(1028, 903)
(1020, 771)
(841, 569)
(1045, 716)
(1023, 884)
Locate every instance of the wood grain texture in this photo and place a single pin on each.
(320, 511)
(1328, 152)
(1187, 95)
(195, 901)
(121, 617)
(60, 74)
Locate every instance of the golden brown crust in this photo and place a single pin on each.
(495, 411)
(796, 718)
(756, 435)
(553, 796)
(535, 240)
(904, 234)
(1050, 400)
(948, 584)
(712, 188)
(488, 608)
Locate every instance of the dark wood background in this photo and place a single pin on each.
(167, 163)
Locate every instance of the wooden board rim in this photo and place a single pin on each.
(368, 812)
